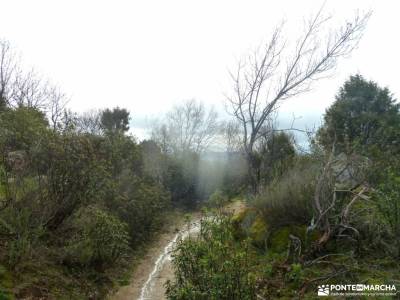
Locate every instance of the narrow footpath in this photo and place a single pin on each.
(155, 268)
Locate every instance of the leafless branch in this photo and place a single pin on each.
(278, 72)
(187, 127)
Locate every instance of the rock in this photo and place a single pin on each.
(247, 223)
(241, 222)
(349, 170)
(17, 161)
(279, 238)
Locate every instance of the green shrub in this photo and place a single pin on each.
(141, 205)
(23, 236)
(100, 239)
(288, 200)
(296, 274)
(234, 180)
(217, 199)
(258, 232)
(6, 284)
(268, 270)
(5, 296)
(213, 265)
(74, 173)
(180, 178)
(21, 128)
(388, 201)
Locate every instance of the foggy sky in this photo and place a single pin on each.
(148, 55)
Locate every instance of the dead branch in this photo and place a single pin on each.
(325, 277)
(278, 72)
(294, 249)
(346, 210)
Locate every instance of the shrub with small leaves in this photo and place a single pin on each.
(387, 198)
(296, 274)
(213, 265)
(217, 199)
(286, 200)
(100, 238)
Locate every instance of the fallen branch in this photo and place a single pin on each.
(326, 277)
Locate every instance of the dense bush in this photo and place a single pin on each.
(177, 172)
(288, 199)
(276, 155)
(72, 201)
(217, 199)
(71, 173)
(387, 198)
(21, 128)
(212, 265)
(140, 205)
(100, 238)
(316, 217)
(364, 118)
(180, 176)
(234, 181)
(23, 237)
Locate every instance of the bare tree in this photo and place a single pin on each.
(188, 127)
(278, 72)
(161, 135)
(232, 136)
(19, 88)
(8, 68)
(89, 122)
(57, 102)
(29, 90)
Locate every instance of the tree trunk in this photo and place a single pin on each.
(253, 173)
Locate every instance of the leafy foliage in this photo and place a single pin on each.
(388, 200)
(72, 201)
(217, 199)
(363, 117)
(287, 200)
(320, 216)
(115, 120)
(276, 155)
(100, 238)
(79, 195)
(212, 266)
(21, 128)
(72, 172)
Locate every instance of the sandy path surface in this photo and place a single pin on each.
(145, 267)
(155, 267)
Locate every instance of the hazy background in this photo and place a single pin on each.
(148, 55)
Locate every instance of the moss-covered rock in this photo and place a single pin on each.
(279, 238)
(241, 222)
(238, 217)
(259, 232)
(248, 223)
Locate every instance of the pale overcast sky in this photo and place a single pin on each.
(148, 55)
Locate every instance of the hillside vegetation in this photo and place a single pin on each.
(80, 197)
(329, 216)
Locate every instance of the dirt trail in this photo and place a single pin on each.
(155, 267)
(146, 267)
